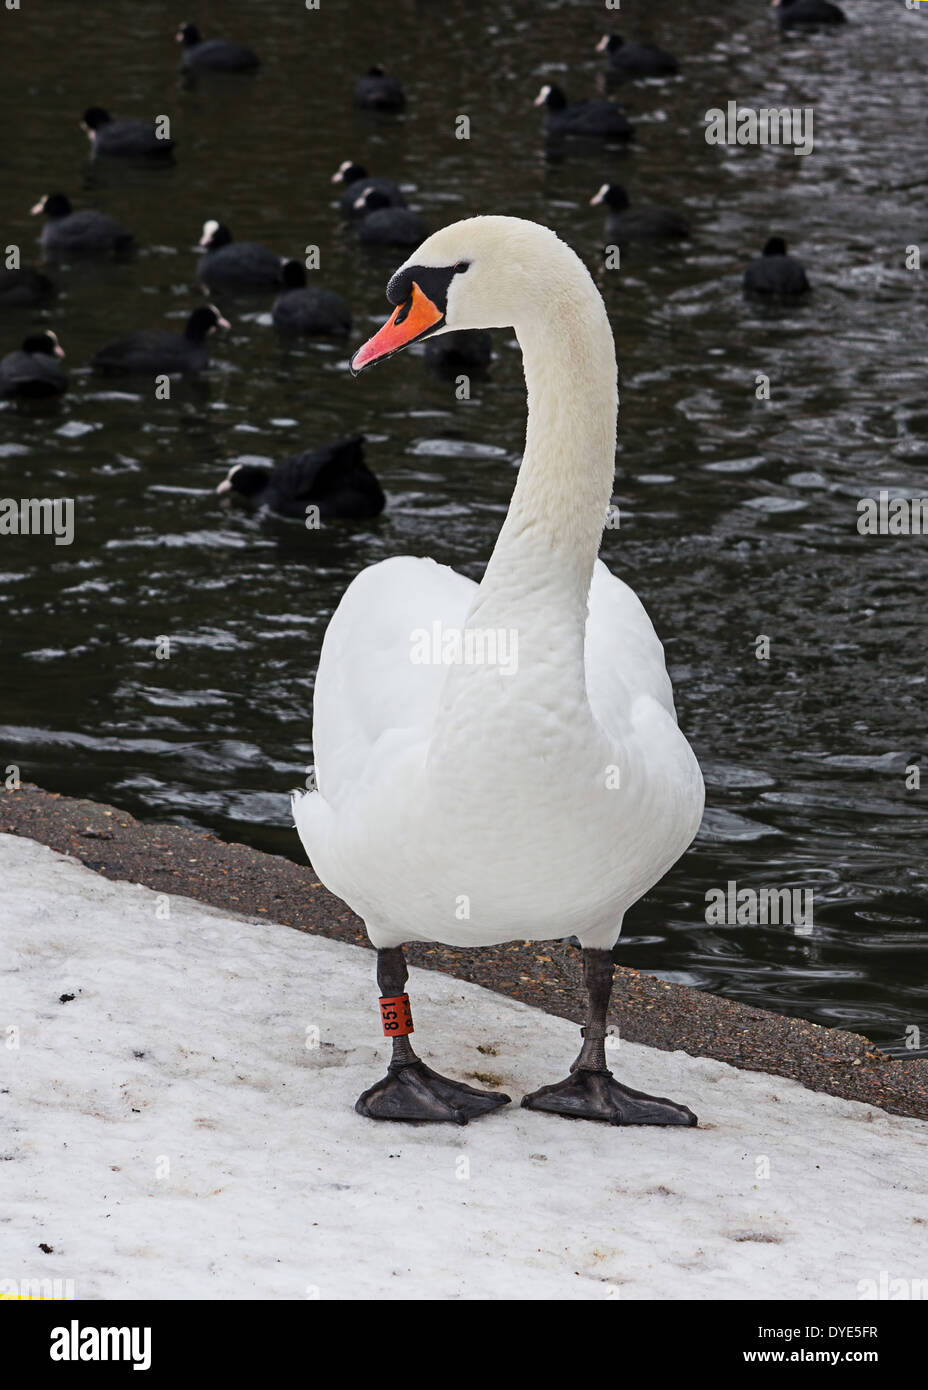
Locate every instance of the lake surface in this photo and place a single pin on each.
(738, 516)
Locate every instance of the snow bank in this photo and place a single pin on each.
(173, 1132)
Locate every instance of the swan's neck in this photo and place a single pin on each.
(535, 590)
(547, 547)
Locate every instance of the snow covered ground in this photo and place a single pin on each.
(184, 1128)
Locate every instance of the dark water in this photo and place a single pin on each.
(738, 516)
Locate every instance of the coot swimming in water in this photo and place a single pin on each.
(84, 231)
(596, 119)
(775, 272)
(356, 179)
(625, 223)
(24, 287)
(377, 91)
(636, 59)
(333, 478)
(124, 139)
(232, 264)
(385, 225)
(218, 55)
(307, 312)
(158, 351)
(32, 371)
(796, 13)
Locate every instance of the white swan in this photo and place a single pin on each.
(538, 795)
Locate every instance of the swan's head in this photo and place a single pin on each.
(484, 272)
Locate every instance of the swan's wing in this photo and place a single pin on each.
(623, 655)
(367, 683)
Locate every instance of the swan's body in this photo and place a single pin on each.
(468, 803)
(443, 786)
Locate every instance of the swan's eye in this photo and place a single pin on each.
(461, 266)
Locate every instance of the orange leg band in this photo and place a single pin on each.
(396, 1016)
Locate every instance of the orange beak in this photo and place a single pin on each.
(414, 318)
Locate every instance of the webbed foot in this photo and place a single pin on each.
(596, 1095)
(412, 1091)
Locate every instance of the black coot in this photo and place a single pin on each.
(464, 350)
(355, 179)
(304, 312)
(124, 139)
(636, 59)
(157, 351)
(24, 287)
(596, 119)
(32, 371)
(232, 264)
(377, 91)
(67, 231)
(625, 223)
(383, 225)
(774, 272)
(333, 478)
(796, 13)
(218, 55)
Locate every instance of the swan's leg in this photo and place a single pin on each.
(411, 1090)
(591, 1092)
